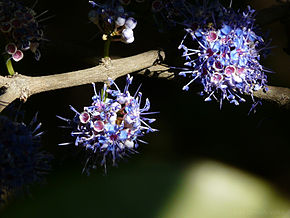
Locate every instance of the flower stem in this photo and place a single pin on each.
(6, 65)
(107, 48)
(102, 94)
(10, 67)
(6, 58)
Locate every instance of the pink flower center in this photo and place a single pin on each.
(18, 55)
(99, 126)
(212, 36)
(230, 70)
(216, 77)
(11, 48)
(84, 117)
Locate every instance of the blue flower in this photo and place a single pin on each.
(226, 60)
(20, 28)
(22, 162)
(111, 127)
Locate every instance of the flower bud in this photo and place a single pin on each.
(130, 23)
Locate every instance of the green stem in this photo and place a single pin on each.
(6, 59)
(102, 94)
(107, 48)
(9, 66)
(6, 65)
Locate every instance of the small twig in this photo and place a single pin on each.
(107, 48)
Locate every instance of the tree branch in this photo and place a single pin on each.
(3, 81)
(22, 87)
(278, 95)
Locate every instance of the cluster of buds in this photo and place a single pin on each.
(22, 162)
(226, 58)
(113, 21)
(19, 29)
(111, 126)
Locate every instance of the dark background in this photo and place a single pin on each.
(191, 130)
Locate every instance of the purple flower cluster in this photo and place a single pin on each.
(111, 126)
(20, 29)
(226, 55)
(22, 162)
(113, 21)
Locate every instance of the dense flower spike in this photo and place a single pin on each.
(22, 162)
(113, 21)
(111, 126)
(20, 29)
(227, 53)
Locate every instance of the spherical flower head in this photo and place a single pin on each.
(20, 29)
(226, 59)
(22, 162)
(113, 21)
(111, 127)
